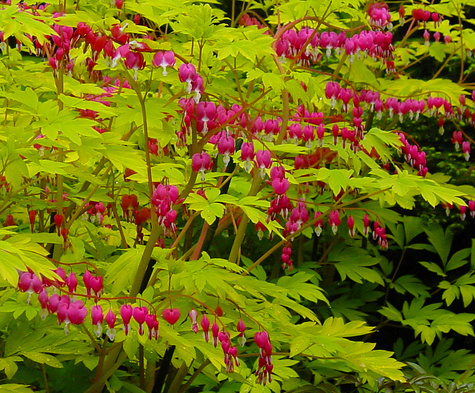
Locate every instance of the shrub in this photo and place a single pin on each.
(205, 202)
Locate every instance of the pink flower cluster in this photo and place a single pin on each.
(423, 16)
(67, 309)
(305, 44)
(187, 73)
(379, 234)
(206, 116)
(129, 204)
(247, 20)
(201, 162)
(379, 16)
(141, 316)
(265, 366)
(298, 216)
(457, 140)
(334, 220)
(286, 257)
(463, 209)
(95, 212)
(415, 157)
(411, 108)
(164, 60)
(163, 198)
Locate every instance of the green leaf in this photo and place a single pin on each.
(10, 368)
(353, 262)
(411, 284)
(121, 272)
(15, 171)
(123, 157)
(198, 22)
(43, 358)
(459, 323)
(442, 241)
(131, 344)
(296, 90)
(247, 43)
(258, 271)
(273, 81)
(458, 259)
(298, 286)
(392, 313)
(412, 227)
(359, 72)
(80, 103)
(433, 267)
(451, 292)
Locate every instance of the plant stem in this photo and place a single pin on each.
(197, 372)
(98, 385)
(141, 367)
(45, 378)
(465, 373)
(235, 250)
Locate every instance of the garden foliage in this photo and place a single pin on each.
(202, 199)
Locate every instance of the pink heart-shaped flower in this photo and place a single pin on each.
(171, 315)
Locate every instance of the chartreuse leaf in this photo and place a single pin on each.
(329, 342)
(247, 42)
(353, 263)
(131, 344)
(391, 312)
(14, 387)
(464, 286)
(451, 292)
(220, 262)
(373, 363)
(80, 103)
(122, 271)
(9, 367)
(359, 72)
(15, 171)
(17, 252)
(279, 294)
(184, 347)
(17, 23)
(430, 321)
(437, 50)
(412, 227)
(123, 157)
(283, 367)
(43, 358)
(27, 97)
(348, 307)
(460, 323)
(273, 81)
(433, 267)
(298, 286)
(210, 210)
(296, 90)
(198, 22)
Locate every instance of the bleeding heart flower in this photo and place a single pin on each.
(171, 315)
(140, 314)
(110, 320)
(152, 323)
(126, 312)
(205, 326)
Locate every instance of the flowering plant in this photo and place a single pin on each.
(194, 198)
